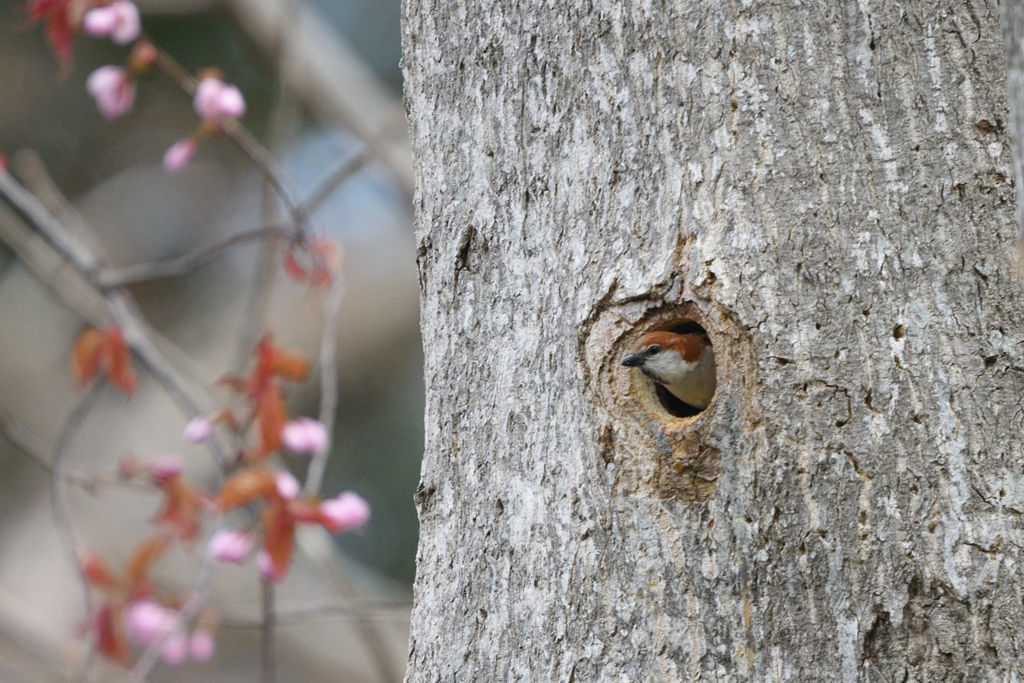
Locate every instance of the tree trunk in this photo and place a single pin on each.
(826, 188)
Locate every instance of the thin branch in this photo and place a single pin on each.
(269, 625)
(328, 381)
(380, 610)
(180, 265)
(36, 214)
(62, 507)
(327, 187)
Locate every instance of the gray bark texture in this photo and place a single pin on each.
(826, 186)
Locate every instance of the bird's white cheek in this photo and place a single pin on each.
(669, 368)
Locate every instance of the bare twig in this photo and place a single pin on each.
(380, 610)
(328, 381)
(269, 625)
(180, 265)
(62, 507)
(344, 172)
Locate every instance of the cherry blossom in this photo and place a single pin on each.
(229, 545)
(179, 154)
(165, 466)
(113, 88)
(344, 512)
(120, 21)
(147, 622)
(305, 435)
(216, 99)
(198, 429)
(287, 485)
(201, 645)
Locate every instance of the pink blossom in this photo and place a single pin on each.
(215, 99)
(198, 429)
(119, 20)
(174, 650)
(305, 435)
(287, 485)
(200, 645)
(347, 511)
(179, 154)
(229, 545)
(165, 466)
(113, 88)
(265, 566)
(147, 622)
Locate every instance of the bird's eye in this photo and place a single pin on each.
(653, 349)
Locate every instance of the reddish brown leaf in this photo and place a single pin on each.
(272, 416)
(96, 571)
(119, 361)
(279, 536)
(146, 553)
(245, 487)
(110, 639)
(181, 507)
(61, 38)
(290, 365)
(85, 355)
(324, 257)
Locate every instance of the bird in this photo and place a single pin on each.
(684, 363)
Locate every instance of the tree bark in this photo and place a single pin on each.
(826, 187)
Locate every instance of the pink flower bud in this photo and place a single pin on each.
(198, 429)
(265, 566)
(147, 622)
(174, 650)
(305, 435)
(179, 154)
(347, 511)
(229, 545)
(113, 88)
(200, 645)
(215, 99)
(119, 20)
(287, 485)
(165, 467)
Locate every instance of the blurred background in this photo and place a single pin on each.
(323, 87)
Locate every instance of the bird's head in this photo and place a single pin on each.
(667, 356)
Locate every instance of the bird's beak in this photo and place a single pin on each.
(633, 360)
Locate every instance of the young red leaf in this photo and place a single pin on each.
(181, 507)
(279, 536)
(96, 571)
(272, 416)
(245, 487)
(119, 361)
(145, 554)
(110, 639)
(85, 355)
(290, 365)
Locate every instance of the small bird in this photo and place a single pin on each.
(682, 363)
